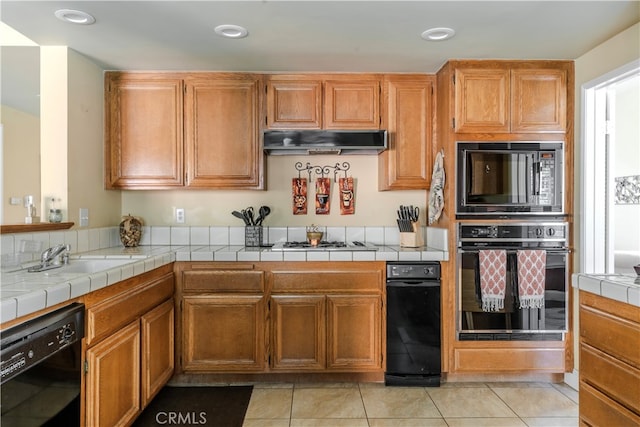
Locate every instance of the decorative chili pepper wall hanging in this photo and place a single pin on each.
(299, 189)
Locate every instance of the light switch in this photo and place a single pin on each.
(84, 217)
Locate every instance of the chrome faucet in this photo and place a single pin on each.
(53, 257)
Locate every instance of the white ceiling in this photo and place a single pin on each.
(301, 36)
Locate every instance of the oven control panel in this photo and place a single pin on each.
(548, 231)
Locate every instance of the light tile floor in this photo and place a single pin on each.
(451, 405)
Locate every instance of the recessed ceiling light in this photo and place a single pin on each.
(438, 34)
(231, 31)
(74, 16)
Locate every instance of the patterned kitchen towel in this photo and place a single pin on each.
(493, 278)
(531, 274)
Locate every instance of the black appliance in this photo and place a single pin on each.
(513, 323)
(413, 324)
(41, 363)
(509, 178)
(301, 142)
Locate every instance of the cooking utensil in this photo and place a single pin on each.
(263, 212)
(248, 215)
(241, 216)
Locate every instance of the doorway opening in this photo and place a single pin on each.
(610, 203)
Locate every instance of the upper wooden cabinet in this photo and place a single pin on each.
(176, 130)
(408, 112)
(143, 131)
(221, 132)
(323, 101)
(510, 100)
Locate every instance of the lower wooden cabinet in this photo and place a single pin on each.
(113, 379)
(298, 317)
(609, 362)
(223, 333)
(298, 332)
(130, 350)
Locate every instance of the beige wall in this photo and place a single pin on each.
(85, 152)
(21, 161)
(214, 207)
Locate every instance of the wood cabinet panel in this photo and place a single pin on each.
(293, 103)
(113, 379)
(616, 379)
(482, 100)
(107, 317)
(611, 334)
(354, 332)
(298, 332)
(157, 350)
(221, 132)
(223, 333)
(223, 280)
(407, 163)
(351, 104)
(485, 360)
(538, 100)
(598, 410)
(143, 131)
(353, 277)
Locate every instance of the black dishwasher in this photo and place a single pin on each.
(413, 324)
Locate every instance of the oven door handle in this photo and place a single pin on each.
(513, 251)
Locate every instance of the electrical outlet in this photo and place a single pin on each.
(180, 215)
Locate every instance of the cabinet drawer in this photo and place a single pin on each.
(223, 281)
(596, 409)
(616, 379)
(105, 318)
(327, 281)
(611, 334)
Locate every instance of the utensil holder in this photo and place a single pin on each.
(253, 236)
(412, 239)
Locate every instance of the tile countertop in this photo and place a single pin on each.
(23, 293)
(620, 287)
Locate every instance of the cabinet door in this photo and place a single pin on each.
(143, 132)
(294, 104)
(223, 333)
(221, 133)
(538, 100)
(482, 100)
(113, 379)
(298, 332)
(157, 350)
(351, 104)
(354, 332)
(407, 163)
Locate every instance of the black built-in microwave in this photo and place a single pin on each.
(509, 178)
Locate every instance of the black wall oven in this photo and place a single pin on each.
(42, 369)
(512, 320)
(509, 178)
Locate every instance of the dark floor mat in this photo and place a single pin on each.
(201, 406)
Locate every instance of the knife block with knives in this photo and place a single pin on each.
(410, 232)
(412, 239)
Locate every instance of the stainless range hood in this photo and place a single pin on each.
(302, 142)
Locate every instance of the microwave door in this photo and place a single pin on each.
(520, 196)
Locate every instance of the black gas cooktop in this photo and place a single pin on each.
(324, 246)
